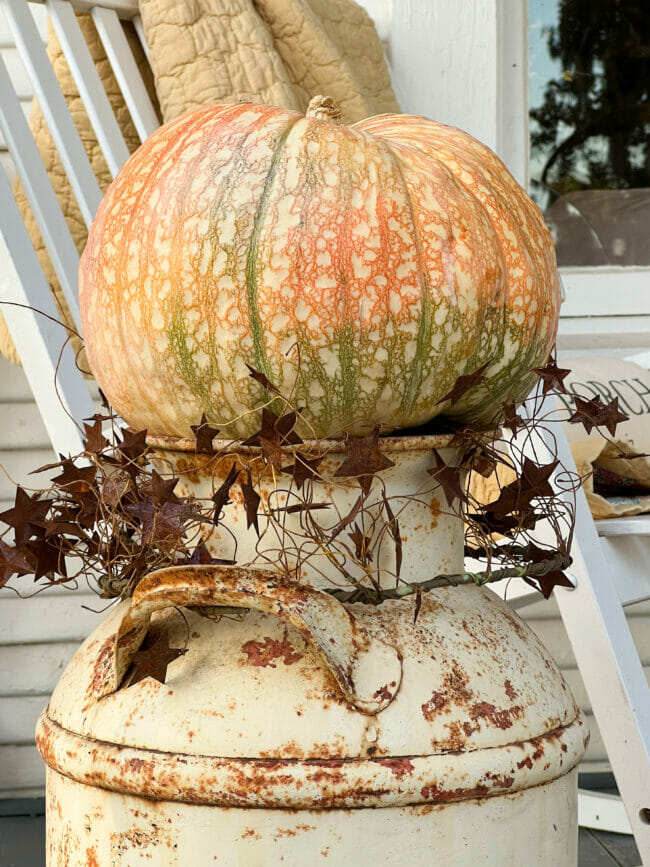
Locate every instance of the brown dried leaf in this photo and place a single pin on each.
(546, 583)
(296, 508)
(512, 419)
(552, 376)
(449, 479)
(14, 561)
(27, 517)
(204, 434)
(393, 527)
(49, 559)
(362, 545)
(303, 468)
(251, 502)
(263, 380)
(75, 479)
(272, 452)
(162, 490)
(418, 604)
(594, 413)
(133, 444)
(95, 441)
(153, 659)
(160, 523)
(363, 459)
(463, 385)
(221, 496)
(347, 519)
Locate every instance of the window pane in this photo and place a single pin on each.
(589, 94)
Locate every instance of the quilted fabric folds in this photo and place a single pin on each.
(279, 52)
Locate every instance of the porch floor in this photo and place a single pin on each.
(22, 840)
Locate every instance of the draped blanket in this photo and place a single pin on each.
(279, 52)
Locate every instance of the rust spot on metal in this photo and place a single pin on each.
(434, 793)
(383, 693)
(455, 742)
(500, 782)
(137, 838)
(520, 629)
(399, 767)
(457, 683)
(91, 858)
(455, 689)
(292, 832)
(436, 510)
(511, 692)
(251, 832)
(525, 763)
(102, 666)
(502, 719)
(435, 703)
(264, 653)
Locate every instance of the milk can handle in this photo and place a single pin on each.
(367, 670)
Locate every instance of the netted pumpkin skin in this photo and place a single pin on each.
(362, 269)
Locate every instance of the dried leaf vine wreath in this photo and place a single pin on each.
(110, 515)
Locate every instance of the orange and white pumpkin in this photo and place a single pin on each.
(362, 269)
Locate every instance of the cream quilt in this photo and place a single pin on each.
(279, 52)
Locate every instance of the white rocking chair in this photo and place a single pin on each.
(610, 571)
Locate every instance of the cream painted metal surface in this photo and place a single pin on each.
(297, 729)
(535, 828)
(434, 537)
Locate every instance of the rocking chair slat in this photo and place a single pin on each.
(604, 648)
(26, 305)
(90, 86)
(54, 107)
(139, 29)
(39, 192)
(627, 557)
(126, 71)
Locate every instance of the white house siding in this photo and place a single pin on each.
(38, 636)
(543, 617)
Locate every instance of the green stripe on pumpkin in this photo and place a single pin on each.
(177, 336)
(348, 359)
(261, 362)
(423, 343)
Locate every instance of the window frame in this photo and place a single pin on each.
(477, 79)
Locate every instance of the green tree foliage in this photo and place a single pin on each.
(593, 128)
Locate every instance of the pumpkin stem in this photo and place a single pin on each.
(324, 108)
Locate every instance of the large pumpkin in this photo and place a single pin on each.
(362, 269)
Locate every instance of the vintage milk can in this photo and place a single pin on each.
(299, 728)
